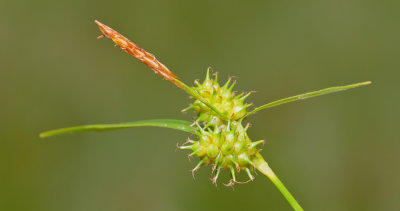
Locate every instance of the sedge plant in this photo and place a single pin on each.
(222, 140)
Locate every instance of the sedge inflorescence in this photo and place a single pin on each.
(222, 139)
(222, 142)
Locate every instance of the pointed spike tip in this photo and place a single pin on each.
(227, 83)
(97, 22)
(215, 78)
(251, 177)
(231, 87)
(107, 31)
(207, 75)
(245, 96)
(186, 147)
(254, 144)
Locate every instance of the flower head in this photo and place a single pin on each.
(222, 143)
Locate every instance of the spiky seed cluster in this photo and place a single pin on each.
(222, 98)
(222, 143)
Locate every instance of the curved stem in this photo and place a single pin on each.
(264, 168)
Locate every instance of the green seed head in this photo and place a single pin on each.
(222, 143)
(222, 98)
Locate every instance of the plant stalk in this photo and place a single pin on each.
(264, 168)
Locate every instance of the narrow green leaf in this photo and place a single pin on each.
(308, 95)
(167, 123)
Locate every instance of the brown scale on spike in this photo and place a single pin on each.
(138, 52)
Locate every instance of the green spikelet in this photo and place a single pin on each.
(222, 98)
(223, 144)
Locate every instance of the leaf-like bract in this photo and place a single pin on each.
(167, 123)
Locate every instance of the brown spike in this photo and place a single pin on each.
(139, 53)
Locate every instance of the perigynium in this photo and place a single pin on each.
(222, 140)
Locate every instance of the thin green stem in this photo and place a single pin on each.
(307, 95)
(264, 168)
(196, 95)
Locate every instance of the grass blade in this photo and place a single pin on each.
(167, 123)
(308, 95)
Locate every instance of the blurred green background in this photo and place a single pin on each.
(336, 152)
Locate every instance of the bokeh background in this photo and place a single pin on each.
(336, 152)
